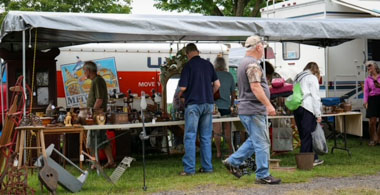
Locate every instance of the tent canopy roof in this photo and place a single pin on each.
(57, 29)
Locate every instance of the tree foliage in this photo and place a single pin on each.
(90, 6)
(214, 7)
(87, 6)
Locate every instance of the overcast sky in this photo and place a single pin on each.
(146, 7)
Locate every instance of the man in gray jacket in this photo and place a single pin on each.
(254, 106)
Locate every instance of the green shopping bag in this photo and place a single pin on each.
(294, 101)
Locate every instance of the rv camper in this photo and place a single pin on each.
(342, 66)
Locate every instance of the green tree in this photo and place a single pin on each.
(214, 7)
(90, 6)
(87, 6)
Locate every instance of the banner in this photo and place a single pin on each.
(77, 86)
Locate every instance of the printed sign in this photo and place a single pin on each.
(77, 86)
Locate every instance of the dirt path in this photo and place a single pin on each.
(347, 185)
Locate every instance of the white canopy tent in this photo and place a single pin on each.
(64, 29)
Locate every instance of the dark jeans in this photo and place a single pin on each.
(306, 123)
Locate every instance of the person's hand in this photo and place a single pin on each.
(365, 105)
(319, 120)
(271, 111)
(182, 100)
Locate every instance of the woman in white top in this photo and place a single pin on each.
(309, 113)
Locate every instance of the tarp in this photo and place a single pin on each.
(62, 29)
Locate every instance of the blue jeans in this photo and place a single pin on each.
(198, 117)
(258, 142)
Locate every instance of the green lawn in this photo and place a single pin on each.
(162, 172)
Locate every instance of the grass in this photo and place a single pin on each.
(162, 172)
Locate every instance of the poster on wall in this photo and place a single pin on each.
(77, 86)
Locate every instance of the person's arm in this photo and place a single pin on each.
(366, 92)
(181, 91)
(232, 91)
(98, 103)
(260, 95)
(216, 86)
(254, 74)
(100, 90)
(316, 99)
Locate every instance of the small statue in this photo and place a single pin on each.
(68, 120)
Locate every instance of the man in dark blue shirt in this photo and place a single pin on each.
(198, 83)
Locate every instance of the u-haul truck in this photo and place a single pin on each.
(137, 65)
(345, 62)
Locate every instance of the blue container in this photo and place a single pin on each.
(330, 101)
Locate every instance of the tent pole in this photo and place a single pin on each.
(326, 72)
(23, 81)
(1, 95)
(24, 69)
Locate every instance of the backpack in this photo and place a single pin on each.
(295, 100)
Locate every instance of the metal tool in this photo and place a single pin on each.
(48, 176)
(120, 169)
(14, 180)
(97, 166)
(143, 135)
(65, 178)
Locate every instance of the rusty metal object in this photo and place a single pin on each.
(31, 120)
(14, 180)
(97, 166)
(48, 177)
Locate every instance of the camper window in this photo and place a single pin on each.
(290, 51)
(374, 50)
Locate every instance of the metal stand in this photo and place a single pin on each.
(344, 139)
(143, 137)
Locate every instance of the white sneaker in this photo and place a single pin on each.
(318, 162)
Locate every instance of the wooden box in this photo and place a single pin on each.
(119, 118)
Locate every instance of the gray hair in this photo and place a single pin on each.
(373, 63)
(220, 64)
(91, 66)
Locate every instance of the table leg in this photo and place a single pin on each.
(344, 139)
(18, 141)
(80, 148)
(21, 148)
(43, 143)
(38, 143)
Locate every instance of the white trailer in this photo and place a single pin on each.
(342, 66)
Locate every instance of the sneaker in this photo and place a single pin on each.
(232, 169)
(318, 162)
(268, 180)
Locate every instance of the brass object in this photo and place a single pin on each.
(101, 119)
(68, 120)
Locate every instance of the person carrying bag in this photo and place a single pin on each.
(307, 113)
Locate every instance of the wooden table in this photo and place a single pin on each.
(41, 131)
(63, 130)
(355, 121)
